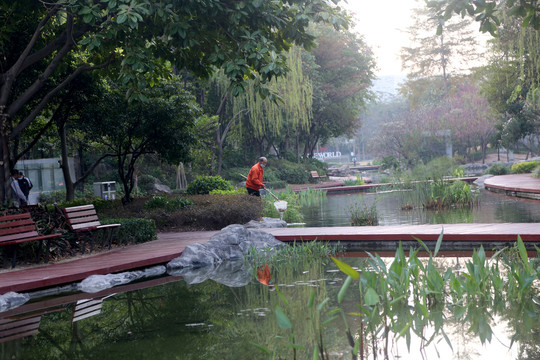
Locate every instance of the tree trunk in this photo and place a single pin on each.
(64, 163)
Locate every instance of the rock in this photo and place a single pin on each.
(160, 189)
(267, 222)
(480, 181)
(11, 300)
(231, 243)
(97, 283)
(230, 273)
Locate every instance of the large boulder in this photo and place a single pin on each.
(231, 243)
(230, 273)
(267, 222)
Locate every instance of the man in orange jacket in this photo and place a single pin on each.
(254, 180)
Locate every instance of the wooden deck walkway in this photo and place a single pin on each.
(171, 245)
(519, 185)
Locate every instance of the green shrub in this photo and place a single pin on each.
(524, 167)
(498, 169)
(133, 230)
(204, 184)
(211, 212)
(146, 183)
(167, 203)
(237, 191)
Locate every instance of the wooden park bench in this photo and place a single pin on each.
(315, 175)
(19, 228)
(84, 222)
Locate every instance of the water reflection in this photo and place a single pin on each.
(491, 208)
(208, 320)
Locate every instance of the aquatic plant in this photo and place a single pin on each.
(409, 296)
(364, 215)
(310, 197)
(292, 214)
(295, 253)
(441, 194)
(353, 182)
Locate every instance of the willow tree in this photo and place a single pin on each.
(264, 119)
(512, 82)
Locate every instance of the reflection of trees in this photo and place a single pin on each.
(151, 323)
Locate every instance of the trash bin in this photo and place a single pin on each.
(105, 190)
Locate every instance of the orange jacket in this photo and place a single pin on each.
(255, 177)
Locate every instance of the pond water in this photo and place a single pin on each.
(335, 210)
(167, 318)
(209, 320)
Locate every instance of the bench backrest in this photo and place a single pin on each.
(17, 227)
(82, 217)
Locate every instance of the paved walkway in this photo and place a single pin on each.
(519, 185)
(171, 245)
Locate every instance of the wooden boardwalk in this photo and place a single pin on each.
(519, 185)
(171, 245)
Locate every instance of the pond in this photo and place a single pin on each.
(208, 320)
(335, 210)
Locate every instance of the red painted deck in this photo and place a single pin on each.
(520, 185)
(171, 245)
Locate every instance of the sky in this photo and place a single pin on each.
(382, 23)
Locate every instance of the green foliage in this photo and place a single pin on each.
(409, 297)
(441, 194)
(146, 183)
(210, 212)
(133, 230)
(352, 182)
(237, 191)
(363, 215)
(524, 167)
(292, 214)
(498, 169)
(388, 163)
(293, 174)
(205, 184)
(167, 203)
(295, 253)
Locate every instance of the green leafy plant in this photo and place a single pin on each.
(498, 169)
(205, 184)
(167, 203)
(524, 167)
(364, 215)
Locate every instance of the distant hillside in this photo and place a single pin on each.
(387, 85)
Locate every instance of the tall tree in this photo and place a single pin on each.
(342, 72)
(141, 41)
(162, 125)
(444, 53)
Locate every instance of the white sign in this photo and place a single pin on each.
(327, 154)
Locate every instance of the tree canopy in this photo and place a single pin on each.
(46, 45)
